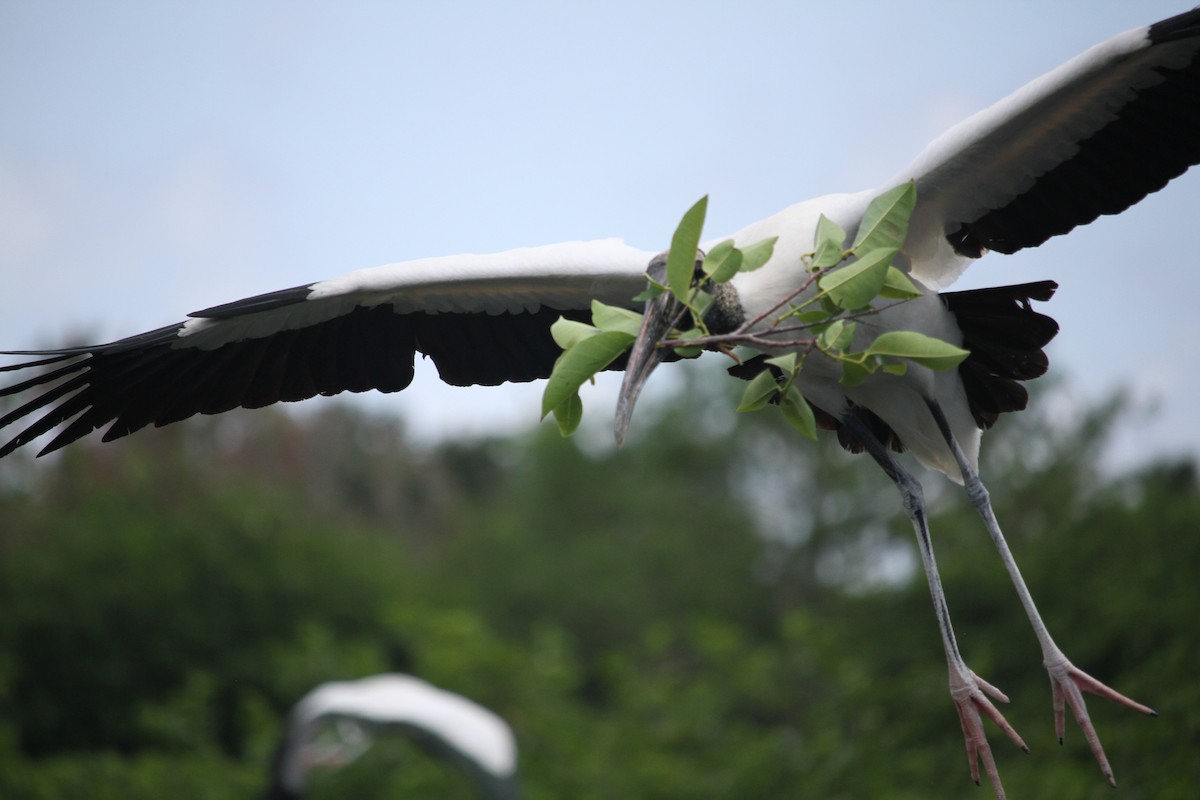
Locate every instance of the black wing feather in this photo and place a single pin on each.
(1154, 138)
(157, 379)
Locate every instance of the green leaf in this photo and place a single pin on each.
(577, 365)
(614, 318)
(919, 348)
(854, 286)
(723, 261)
(895, 368)
(798, 412)
(829, 243)
(897, 286)
(854, 373)
(759, 392)
(718, 252)
(831, 332)
(812, 317)
(786, 362)
(758, 254)
(838, 336)
(567, 332)
(701, 302)
(690, 352)
(885, 223)
(651, 291)
(569, 414)
(681, 262)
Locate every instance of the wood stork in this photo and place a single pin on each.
(1091, 137)
(335, 723)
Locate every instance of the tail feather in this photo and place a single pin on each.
(1005, 336)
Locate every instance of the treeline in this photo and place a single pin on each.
(715, 610)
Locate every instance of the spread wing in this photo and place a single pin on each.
(482, 319)
(1091, 137)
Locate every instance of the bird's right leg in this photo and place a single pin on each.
(969, 691)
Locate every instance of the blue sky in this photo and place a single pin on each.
(157, 158)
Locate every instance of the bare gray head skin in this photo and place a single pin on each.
(662, 313)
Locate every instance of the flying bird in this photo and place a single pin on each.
(1092, 137)
(337, 722)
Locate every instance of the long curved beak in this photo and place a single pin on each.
(660, 315)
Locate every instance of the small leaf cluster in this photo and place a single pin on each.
(842, 285)
(587, 349)
(850, 280)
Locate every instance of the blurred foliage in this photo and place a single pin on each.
(726, 611)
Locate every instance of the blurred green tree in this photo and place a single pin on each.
(719, 610)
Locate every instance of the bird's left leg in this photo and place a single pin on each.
(1067, 682)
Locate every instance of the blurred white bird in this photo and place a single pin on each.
(337, 722)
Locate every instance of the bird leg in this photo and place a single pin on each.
(1067, 682)
(969, 691)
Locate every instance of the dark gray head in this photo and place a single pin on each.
(663, 313)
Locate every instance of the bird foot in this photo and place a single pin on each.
(968, 691)
(1068, 683)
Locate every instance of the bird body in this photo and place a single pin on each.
(1091, 137)
(896, 399)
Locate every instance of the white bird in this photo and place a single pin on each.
(335, 723)
(1091, 137)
